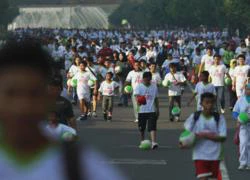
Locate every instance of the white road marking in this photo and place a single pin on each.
(224, 171)
(136, 162)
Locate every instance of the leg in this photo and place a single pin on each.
(223, 97)
(104, 107)
(110, 107)
(171, 105)
(142, 125)
(94, 103)
(152, 126)
(135, 106)
(243, 146)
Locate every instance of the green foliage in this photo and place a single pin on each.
(184, 13)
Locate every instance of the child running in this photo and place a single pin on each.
(107, 90)
(243, 105)
(210, 131)
(149, 112)
(202, 87)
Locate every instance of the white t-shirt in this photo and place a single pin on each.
(83, 89)
(208, 60)
(205, 149)
(174, 90)
(108, 89)
(242, 105)
(58, 131)
(197, 59)
(134, 78)
(50, 166)
(201, 88)
(240, 73)
(217, 74)
(156, 78)
(150, 92)
(73, 70)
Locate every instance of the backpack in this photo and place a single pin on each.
(215, 115)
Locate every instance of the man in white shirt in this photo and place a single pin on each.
(240, 76)
(148, 112)
(207, 61)
(217, 73)
(134, 78)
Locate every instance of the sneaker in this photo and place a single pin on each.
(94, 114)
(177, 118)
(241, 167)
(171, 119)
(83, 117)
(222, 111)
(248, 168)
(136, 121)
(89, 114)
(73, 102)
(105, 117)
(120, 105)
(155, 145)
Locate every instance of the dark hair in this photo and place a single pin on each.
(172, 65)
(153, 63)
(217, 55)
(90, 59)
(147, 74)
(205, 73)
(83, 62)
(241, 56)
(54, 112)
(124, 59)
(26, 53)
(207, 95)
(210, 48)
(110, 74)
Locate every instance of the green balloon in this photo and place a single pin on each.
(243, 118)
(128, 89)
(145, 145)
(228, 81)
(74, 82)
(176, 110)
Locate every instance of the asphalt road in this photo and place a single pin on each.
(119, 141)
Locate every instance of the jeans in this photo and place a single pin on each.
(220, 98)
(74, 94)
(123, 96)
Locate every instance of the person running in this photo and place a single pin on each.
(202, 87)
(210, 131)
(74, 69)
(93, 70)
(25, 151)
(243, 106)
(134, 78)
(207, 61)
(148, 112)
(217, 73)
(232, 94)
(108, 90)
(83, 89)
(240, 76)
(175, 81)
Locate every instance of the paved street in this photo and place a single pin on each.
(119, 141)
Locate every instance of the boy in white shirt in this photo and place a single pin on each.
(210, 131)
(148, 113)
(134, 78)
(240, 76)
(57, 129)
(176, 81)
(217, 73)
(202, 87)
(156, 77)
(243, 105)
(107, 90)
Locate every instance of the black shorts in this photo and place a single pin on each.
(147, 118)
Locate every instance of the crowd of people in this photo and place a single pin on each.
(93, 65)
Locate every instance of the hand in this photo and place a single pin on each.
(233, 88)
(98, 98)
(207, 135)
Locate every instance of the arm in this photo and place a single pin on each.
(192, 98)
(201, 68)
(157, 107)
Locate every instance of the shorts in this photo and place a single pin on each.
(83, 96)
(147, 118)
(205, 168)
